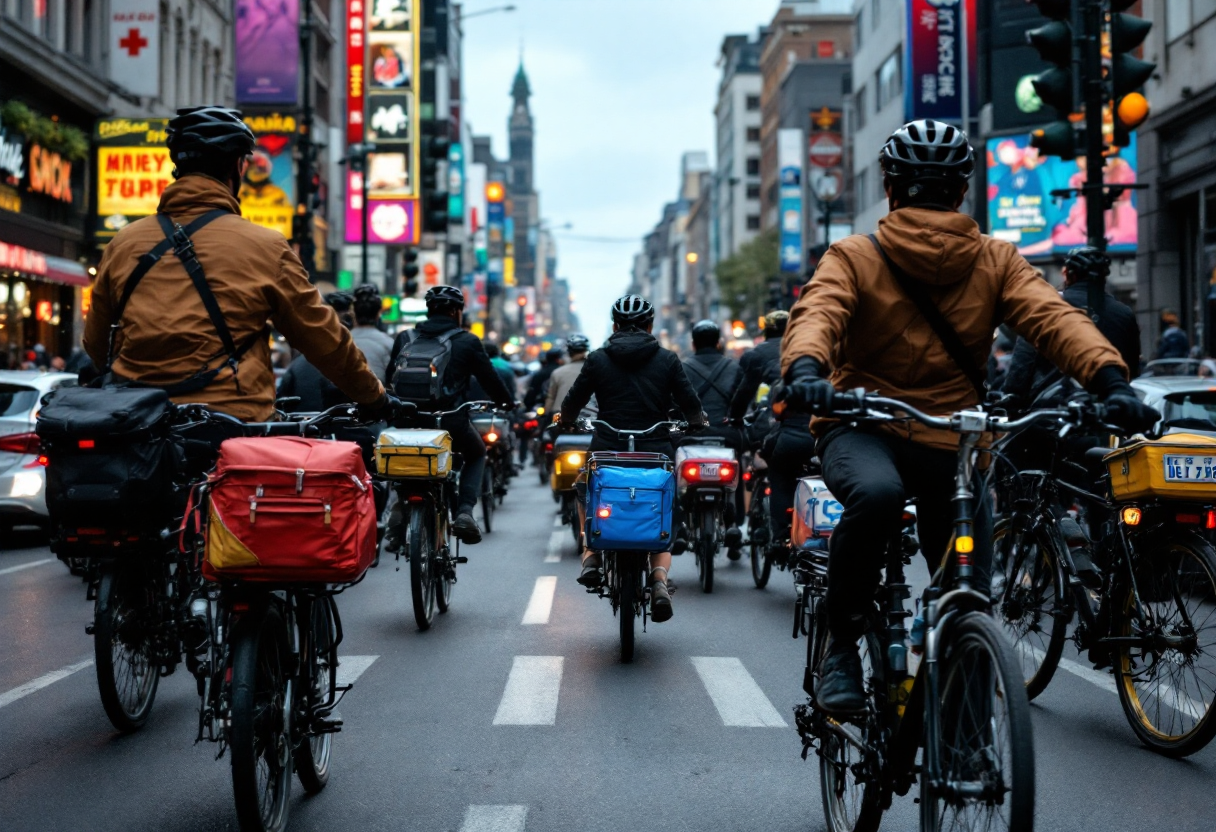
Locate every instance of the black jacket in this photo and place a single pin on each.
(469, 360)
(714, 377)
(315, 391)
(761, 365)
(636, 383)
(1029, 373)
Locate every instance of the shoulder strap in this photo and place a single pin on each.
(949, 337)
(708, 379)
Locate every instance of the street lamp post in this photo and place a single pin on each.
(356, 157)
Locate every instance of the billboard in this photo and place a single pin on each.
(267, 52)
(268, 189)
(933, 60)
(789, 164)
(133, 169)
(391, 221)
(1022, 211)
(135, 46)
(356, 50)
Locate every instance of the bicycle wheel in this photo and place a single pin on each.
(850, 803)
(628, 588)
(127, 674)
(487, 498)
(422, 565)
(1168, 687)
(312, 754)
(759, 539)
(983, 737)
(259, 736)
(707, 547)
(1032, 605)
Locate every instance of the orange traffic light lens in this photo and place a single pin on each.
(1133, 110)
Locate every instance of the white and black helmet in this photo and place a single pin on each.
(577, 343)
(632, 311)
(928, 150)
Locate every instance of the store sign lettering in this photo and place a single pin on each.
(131, 179)
(21, 259)
(50, 174)
(12, 157)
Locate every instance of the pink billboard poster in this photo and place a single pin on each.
(389, 221)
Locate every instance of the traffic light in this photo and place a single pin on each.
(434, 188)
(1057, 87)
(409, 270)
(1127, 73)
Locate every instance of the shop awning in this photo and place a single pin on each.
(68, 272)
(42, 266)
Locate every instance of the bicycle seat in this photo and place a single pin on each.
(1096, 454)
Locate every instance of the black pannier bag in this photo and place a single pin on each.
(111, 466)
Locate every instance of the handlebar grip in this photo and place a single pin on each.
(851, 400)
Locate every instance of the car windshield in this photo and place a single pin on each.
(1200, 404)
(17, 399)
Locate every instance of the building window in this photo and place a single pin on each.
(753, 167)
(1182, 16)
(753, 191)
(753, 102)
(858, 26)
(753, 134)
(888, 81)
(753, 222)
(859, 109)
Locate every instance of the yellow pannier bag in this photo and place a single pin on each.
(1179, 466)
(414, 453)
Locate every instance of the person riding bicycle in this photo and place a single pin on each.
(538, 384)
(760, 365)
(715, 378)
(865, 321)
(501, 365)
(303, 382)
(467, 359)
(636, 383)
(577, 346)
(197, 323)
(376, 345)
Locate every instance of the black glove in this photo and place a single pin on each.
(807, 390)
(387, 408)
(1122, 406)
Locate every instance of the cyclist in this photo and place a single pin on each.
(563, 377)
(304, 382)
(375, 344)
(760, 365)
(636, 383)
(715, 378)
(210, 344)
(854, 326)
(467, 359)
(540, 379)
(501, 365)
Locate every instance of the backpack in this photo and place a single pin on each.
(418, 375)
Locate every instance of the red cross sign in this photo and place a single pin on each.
(133, 42)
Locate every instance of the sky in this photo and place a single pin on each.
(620, 90)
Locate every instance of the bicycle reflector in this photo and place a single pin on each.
(964, 545)
(1209, 520)
(604, 512)
(1131, 516)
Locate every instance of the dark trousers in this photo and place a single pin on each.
(793, 450)
(467, 442)
(873, 474)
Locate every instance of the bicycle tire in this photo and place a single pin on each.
(1190, 567)
(628, 584)
(1034, 578)
(127, 678)
(974, 649)
(487, 498)
(857, 807)
(759, 540)
(422, 565)
(259, 734)
(445, 578)
(707, 547)
(313, 753)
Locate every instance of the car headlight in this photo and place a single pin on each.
(26, 484)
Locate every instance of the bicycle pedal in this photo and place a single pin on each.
(461, 559)
(329, 724)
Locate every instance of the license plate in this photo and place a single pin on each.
(1189, 468)
(709, 472)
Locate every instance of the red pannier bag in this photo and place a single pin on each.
(288, 509)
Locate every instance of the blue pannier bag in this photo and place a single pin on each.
(630, 509)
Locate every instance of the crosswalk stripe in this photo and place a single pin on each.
(530, 697)
(351, 668)
(22, 691)
(494, 819)
(555, 547)
(541, 602)
(735, 694)
(8, 570)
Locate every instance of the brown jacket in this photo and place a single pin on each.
(854, 318)
(166, 335)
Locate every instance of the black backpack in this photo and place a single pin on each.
(421, 368)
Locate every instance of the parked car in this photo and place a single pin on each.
(1179, 397)
(22, 475)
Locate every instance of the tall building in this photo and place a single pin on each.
(520, 188)
(736, 186)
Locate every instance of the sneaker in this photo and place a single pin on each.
(660, 602)
(591, 576)
(841, 690)
(465, 528)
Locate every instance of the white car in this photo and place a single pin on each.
(22, 475)
(1179, 397)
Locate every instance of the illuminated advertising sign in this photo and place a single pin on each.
(389, 221)
(133, 170)
(933, 60)
(356, 51)
(268, 190)
(267, 53)
(1022, 211)
(789, 163)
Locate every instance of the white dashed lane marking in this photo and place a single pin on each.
(351, 668)
(735, 694)
(530, 697)
(22, 691)
(556, 540)
(8, 570)
(541, 603)
(494, 819)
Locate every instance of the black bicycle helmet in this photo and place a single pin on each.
(632, 312)
(207, 132)
(340, 301)
(706, 333)
(927, 150)
(554, 355)
(444, 297)
(1087, 261)
(775, 323)
(577, 343)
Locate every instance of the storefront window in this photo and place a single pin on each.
(30, 315)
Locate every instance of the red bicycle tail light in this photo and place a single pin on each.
(747, 476)
(548, 447)
(44, 460)
(768, 492)
(86, 444)
(692, 473)
(726, 473)
(1209, 520)
(604, 512)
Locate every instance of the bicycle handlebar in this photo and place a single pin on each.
(297, 424)
(637, 434)
(857, 404)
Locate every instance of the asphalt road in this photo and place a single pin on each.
(513, 713)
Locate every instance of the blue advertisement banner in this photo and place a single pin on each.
(1022, 211)
(267, 51)
(790, 213)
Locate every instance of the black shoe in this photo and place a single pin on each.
(680, 545)
(1087, 572)
(591, 576)
(841, 691)
(734, 539)
(660, 602)
(465, 528)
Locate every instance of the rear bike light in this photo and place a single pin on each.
(726, 472)
(604, 512)
(491, 437)
(747, 476)
(1188, 519)
(548, 447)
(1131, 516)
(86, 444)
(692, 473)
(1209, 520)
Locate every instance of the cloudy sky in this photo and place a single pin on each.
(620, 89)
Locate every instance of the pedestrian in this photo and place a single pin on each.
(1174, 342)
(374, 343)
